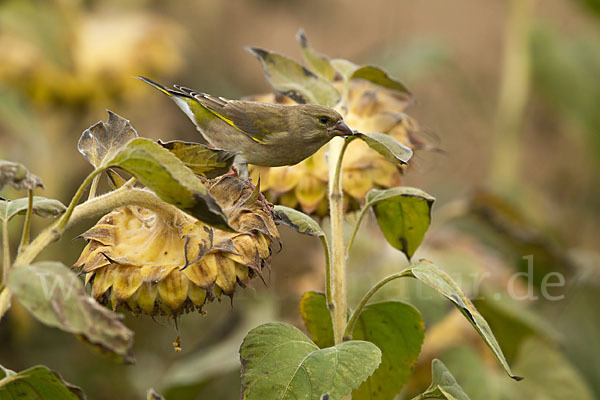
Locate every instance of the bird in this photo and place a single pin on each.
(262, 134)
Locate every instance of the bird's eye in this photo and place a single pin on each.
(323, 119)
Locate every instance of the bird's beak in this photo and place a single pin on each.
(341, 129)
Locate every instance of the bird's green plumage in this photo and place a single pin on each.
(259, 133)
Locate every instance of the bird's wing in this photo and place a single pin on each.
(256, 120)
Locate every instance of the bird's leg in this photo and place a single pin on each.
(242, 169)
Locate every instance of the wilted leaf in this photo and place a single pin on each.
(18, 176)
(202, 160)
(316, 61)
(317, 318)
(403, 214)
(387, 146)
(297, 220)
(279, 361)
(397, 329)
(167, 176)
(56, 297)
(41, 206)
(432, 276)
(103, 140)
(443, 385)
(36, 383)
(379, 77)
(295, 81)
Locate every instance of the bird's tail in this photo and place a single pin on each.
(163, 89)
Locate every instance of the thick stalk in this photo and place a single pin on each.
(27, 224)
(338, 254)
(5, 250)
(93, 208)
(363, 302)
(514, 92)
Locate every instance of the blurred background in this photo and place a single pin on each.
(507, 92)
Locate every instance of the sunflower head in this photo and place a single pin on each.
(146, 262)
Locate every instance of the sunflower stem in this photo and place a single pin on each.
(98, 206)
(337, 147)
(27, 224)
(5, 250)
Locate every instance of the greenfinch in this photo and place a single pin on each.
(263, 134)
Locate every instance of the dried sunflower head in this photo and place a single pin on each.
(155, 264)
(370, 108)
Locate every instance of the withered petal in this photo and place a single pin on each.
(197, 295)
(173, 290)
(226, 275)
(126, 281)
(145, 297)
(204, 272)
(103, 280)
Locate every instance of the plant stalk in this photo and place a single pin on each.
(363, 302)
(27, 224)
(98, 206)
(64, 219)
(337, 148)
(5, 251)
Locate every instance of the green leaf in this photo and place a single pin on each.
(18, 176)
(443, 385)
(103, 140)
(387, 146)
(317, 318)
(344, 67)
(41, 206)
(379, 77)
(403, 215)
(398, 330)
(37, 382)
(168, 177)
(297, 220)
(202, 160)
(431, 275)
(279, 361)
(295, 81)
(56, 297)
(316, 61)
